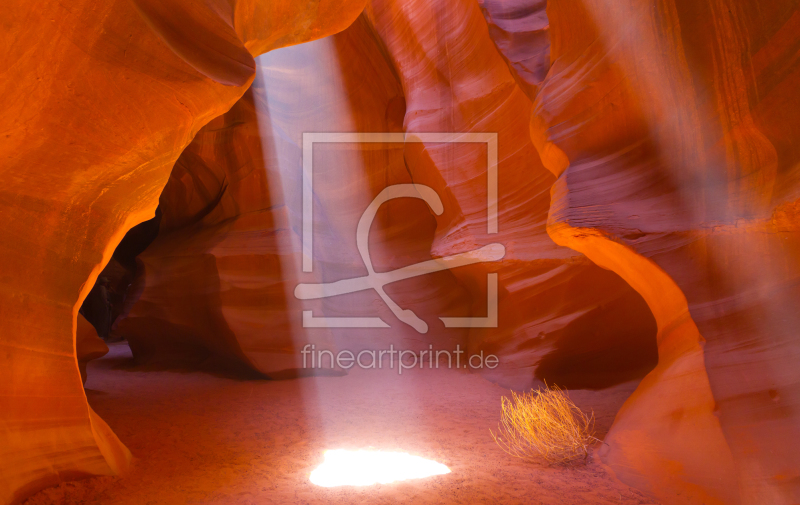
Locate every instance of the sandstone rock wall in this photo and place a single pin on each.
(675, 171)
(555, 306)
(648, 196)
(222, 274)
(562, 318)
(99, 100)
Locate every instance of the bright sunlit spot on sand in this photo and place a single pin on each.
(365, 468)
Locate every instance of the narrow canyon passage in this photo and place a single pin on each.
(201, 437)
(601, 198)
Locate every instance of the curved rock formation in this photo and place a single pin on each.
(220, 278)
(98, 102)
(521, 31)
(551, 311)
(648, 204)
(232, 214)
(217, 259)
(675, 172)
(88, 345)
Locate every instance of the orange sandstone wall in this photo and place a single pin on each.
(99, 100)
(222, 273)
(212, 284)
(561, 317)
(666, 130)
(232, 214)
(672, 129)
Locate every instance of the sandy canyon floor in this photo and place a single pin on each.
(202, 437)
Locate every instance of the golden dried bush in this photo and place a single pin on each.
(544, 425)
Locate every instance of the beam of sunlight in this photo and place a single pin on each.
(365, 468)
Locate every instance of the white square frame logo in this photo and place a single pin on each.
(376, 280)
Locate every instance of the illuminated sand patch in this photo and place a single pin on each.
(365, 468)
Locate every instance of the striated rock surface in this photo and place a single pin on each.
(671, 142)
(212, 284)
(221, 276)
(98, 103)
(647, 202)
(561, 318)
(520, 30)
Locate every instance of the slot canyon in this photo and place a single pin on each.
(248, 242)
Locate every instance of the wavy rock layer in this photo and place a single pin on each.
(98, 103)
(670, 139)
(222, 274)
(212, 283)
(556, 321)
(521, 31)
(667, 131)
(562, 318)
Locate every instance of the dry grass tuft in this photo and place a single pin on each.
(544, 425)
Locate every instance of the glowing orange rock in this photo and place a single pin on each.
(220, 278)
(670, 140)
(98, 101)
(235, 197)
(551, 308)
(669, 130)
